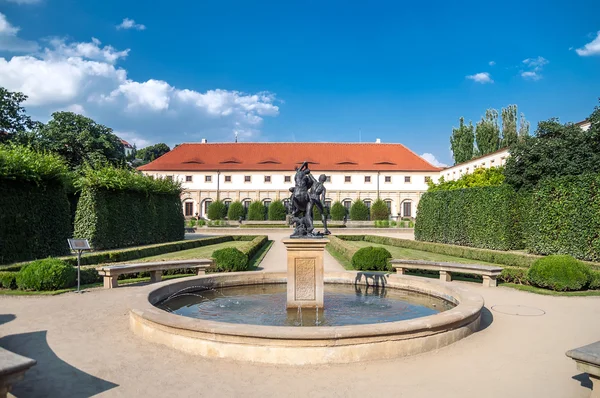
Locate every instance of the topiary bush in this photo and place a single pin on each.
(338, 211)
(230, 259)
(236, 210)
(217, 210)
(595, 280)
(559, 273)
(359, 211)
(514, 275)
(256, 211)
(8, 279)
(47, 274)
(90, 275)
(379, 210)
(277, 211)
(372, 259)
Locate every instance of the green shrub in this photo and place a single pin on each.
(23, 164)
(277, 211)
(343, 248)
(560, 273)
(8, 280)
(90, 275)
(379, 210)
(115, 219)
(236, 210)
(514, 275)
(479, 217)
(117, 179)
(595, 280)
(256, 211)
(201, 223)
(382, 223)
(217, 210)
(338, 211)
(359, 211)
(372, 259)
(230, 259)
(48, 274)
(564, 217)
(254, 245)
(393, 223)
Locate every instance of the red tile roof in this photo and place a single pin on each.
(286, 156)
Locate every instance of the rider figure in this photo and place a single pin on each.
(317, 198)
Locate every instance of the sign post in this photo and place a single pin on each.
(79, 245)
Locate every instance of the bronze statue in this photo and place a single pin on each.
(306, 193)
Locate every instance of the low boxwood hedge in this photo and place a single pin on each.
(559, 273)
(514, 275)
(372, 258)
(230, 259)
(8, 279)
(47, 274)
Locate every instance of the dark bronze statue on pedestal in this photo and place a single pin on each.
(307, 193)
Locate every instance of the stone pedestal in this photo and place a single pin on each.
(305, 272)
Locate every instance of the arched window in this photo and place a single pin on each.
(205, 205)
(407, 208)
(388, 203)
(246, 203)
(227, 203)
(188, 208)
(347, 204)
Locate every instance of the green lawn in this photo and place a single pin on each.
(411, 254)
(198, 252)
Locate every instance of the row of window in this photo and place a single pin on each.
(388, 179)
(406, 205)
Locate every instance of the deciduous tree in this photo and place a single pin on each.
(487, 133)
(461, 142)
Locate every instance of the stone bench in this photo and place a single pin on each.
(12, 369)
(489, 273)
(111, 273)
(587, 359)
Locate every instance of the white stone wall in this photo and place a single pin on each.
(494, 159)
(396, 192)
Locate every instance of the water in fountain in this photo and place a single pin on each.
(266, 305)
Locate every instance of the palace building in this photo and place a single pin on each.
(265, 171)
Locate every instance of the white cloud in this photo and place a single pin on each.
(483, 77)
(591, 48)
(130, 24)
(89, 50)
(530, 75)
(9, 40)
(85, 77)
(492, 63)
(432, 159)
(534, 67)
(25, 1)
(133, 139)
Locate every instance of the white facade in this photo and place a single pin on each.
(401, 190)
(494, 159)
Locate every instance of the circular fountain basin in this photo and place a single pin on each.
(331, 342)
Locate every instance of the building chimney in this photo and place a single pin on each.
(378, 140)
(204, 140)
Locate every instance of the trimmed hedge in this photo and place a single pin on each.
(230, 259)
(486, 217)
(338, 211)
(359, 211)
(277, 211)
(564, 217)
(8, 279)
(372, 259)
(595, 280)
(344, 249)
(559, 273)
(253, 246)
(514, 275)
(217, 210)
(111, 219)
(115, 256)
(236, 210)
(48, 274)
(256, 211)
(35, 220)
(490, 256)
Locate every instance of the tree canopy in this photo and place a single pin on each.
(13, 118)
(555, 150)
(487, 133)
(479, 178)
(461, 142)
(152, 152)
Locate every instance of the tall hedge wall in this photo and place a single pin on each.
(486, 217)
(34, 220)
(111, 219)
(564, 217)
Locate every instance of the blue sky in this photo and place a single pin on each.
(304, 71)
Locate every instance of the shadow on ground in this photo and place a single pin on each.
(51, 377)
(5, 318)
(486, 319)
(584, 379)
